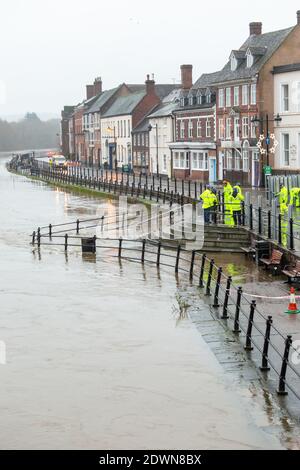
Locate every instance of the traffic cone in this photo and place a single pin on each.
(292, 308)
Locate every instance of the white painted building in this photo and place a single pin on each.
(162, 134)
(287, 105)
(116, 140)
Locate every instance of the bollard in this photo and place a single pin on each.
(211, 267)
(201, 283)
(291, 234)
(77, 226)
(282, 380)
(236, 329)
(265, 365)
(248, 346)
(217, 290)
(143, 251)
(177, 259)
(192, 264)
(50, 231)
(158, 253)
(66, 242)
(225, 315)
(120, 248)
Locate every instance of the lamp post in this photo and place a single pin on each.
(266, 137)
(156, 139)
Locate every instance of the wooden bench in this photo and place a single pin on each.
(274, 261)
(292, 272)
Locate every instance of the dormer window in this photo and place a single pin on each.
(191, 100)
(250, 59)
(208, 96)
(233, 62)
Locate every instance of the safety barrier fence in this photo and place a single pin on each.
(258, 333)
(282, 229)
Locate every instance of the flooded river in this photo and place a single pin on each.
(96, 357)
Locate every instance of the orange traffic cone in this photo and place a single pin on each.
(293, 309)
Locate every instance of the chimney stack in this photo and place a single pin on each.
(150, 85)
(89, 91)
(298, 17)
(97, 86)
(186, 76)
(255, 28)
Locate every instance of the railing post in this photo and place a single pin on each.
(292, 244)
(157, 194)
(192, 264)
(225, 315)
(33, 238)
(201, 283)
(243, 215)
(265, 364)
(177, 259)
(189, 188)
(195, 190)
(279, 229)
(248, 346)
(269, 225)
(282, 380)
(259, 221)
(158, 253)
(77, 226)
(251, 217)
(210, 272)
(143, 251)
(120, 248)
(237, 329)
(217, 290)
(66, 242)
(50, 231)
(39, 237)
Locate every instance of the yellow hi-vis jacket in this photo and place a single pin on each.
(239, 189)
(283, 208)
(236, 203)
(294, 196)
(209, 199)
(227, 192)
(283, 196)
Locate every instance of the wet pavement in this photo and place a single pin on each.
(98, 354)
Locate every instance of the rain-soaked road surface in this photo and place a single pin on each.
(95, 355)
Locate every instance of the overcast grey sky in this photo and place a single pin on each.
(50, 49)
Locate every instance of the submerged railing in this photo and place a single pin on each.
(268, 347)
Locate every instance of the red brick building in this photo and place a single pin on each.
(194, 149)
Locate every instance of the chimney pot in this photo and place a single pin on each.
(97, 86)
(298, 17)
(150, 86)
(255, 28)
(186, 76)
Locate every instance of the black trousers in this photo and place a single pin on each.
(237, 217)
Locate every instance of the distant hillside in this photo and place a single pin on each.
(29, 133)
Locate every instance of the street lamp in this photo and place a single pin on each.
(150, 129)
(266, 138)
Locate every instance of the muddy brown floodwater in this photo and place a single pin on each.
(95, 355)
